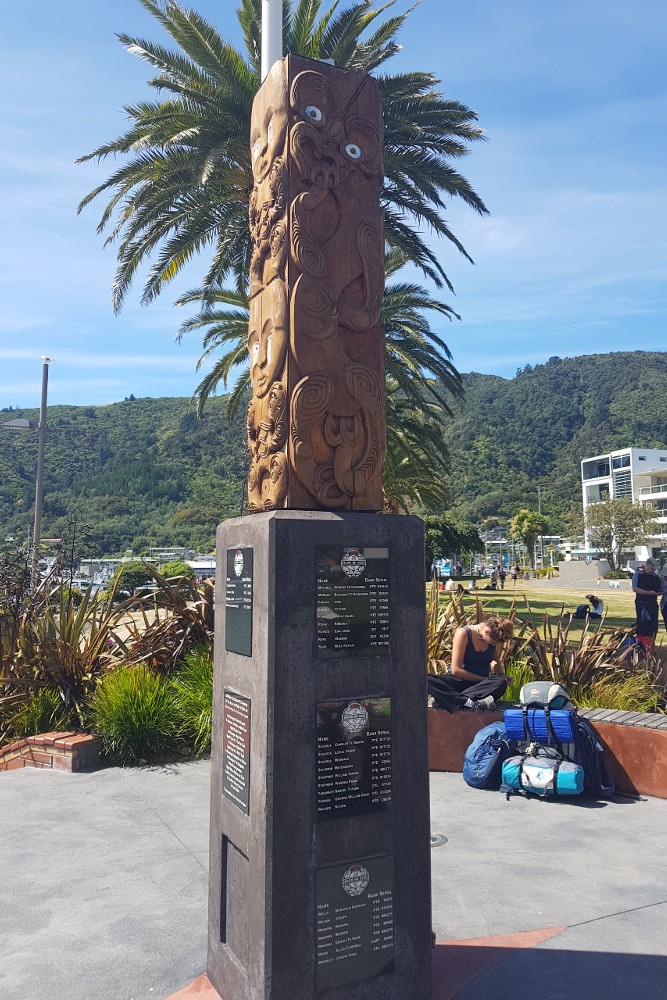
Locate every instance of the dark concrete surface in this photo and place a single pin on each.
(105, 889)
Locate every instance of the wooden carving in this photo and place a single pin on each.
(316, 423)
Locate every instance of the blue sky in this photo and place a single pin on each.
(573, 98)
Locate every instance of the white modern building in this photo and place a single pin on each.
(638, 474)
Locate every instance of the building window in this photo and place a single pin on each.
(622, 485)
(663, 459)
(642, 458)
(621, 462)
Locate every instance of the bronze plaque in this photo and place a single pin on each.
(236, 750)
(238, 602)
(352, 601)
(354, 923)
(353, 757)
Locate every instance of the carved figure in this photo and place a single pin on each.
(317, 231)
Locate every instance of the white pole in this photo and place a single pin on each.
(272, 34)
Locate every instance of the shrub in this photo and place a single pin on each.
(177, 568)
(193, 694)
(617, 574)
(128, 577)
(134, 714)
(44, 713)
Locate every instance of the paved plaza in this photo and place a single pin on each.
(104, 879)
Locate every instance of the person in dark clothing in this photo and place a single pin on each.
(475, 678)
(647, 587)
(502, 573)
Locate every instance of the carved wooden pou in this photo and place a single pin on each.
(316, 421)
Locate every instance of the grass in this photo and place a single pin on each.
(134, 714)
(619, 604)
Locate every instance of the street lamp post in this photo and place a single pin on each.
(39, 487)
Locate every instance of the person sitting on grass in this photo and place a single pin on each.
(595, 610)
(597, 606)
(475, 679)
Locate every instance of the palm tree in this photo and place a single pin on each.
(419, 370)
(184, 187)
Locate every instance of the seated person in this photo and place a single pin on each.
(597, 606)
(475, 678)
(594, 611)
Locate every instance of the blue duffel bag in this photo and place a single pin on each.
(543, 772)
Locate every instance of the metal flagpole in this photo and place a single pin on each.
(272, 34)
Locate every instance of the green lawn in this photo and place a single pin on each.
(619, 604)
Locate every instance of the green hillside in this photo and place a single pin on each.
(147, 471)
(139, 472)
(512, 434)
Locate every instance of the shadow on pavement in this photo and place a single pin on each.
(478, 972)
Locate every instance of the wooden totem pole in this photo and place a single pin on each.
(319, 849)
(316, 422)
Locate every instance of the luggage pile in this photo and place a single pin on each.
(541, 749)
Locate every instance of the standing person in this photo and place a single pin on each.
(647, 587)
(663, 599)
(501, 577)
(475, 678)
(514, 573)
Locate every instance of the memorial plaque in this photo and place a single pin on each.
(352, 601)
(238, 602)
(236, 750)
(353, 757)
(354, 923)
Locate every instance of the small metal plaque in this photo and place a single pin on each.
(236, 750)
(354, 923)
(353, 757)
(352, 601)
(238, 602)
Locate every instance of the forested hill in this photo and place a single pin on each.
(512, 434)
(147, 471)
(140, 472)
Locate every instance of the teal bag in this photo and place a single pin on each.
(543, 772)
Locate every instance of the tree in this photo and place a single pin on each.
(526, 527)
(443, 536)
(185, 185)
(615, 525)
(184, 188)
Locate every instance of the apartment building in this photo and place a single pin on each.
(638, 474)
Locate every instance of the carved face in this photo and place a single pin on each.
(336, 130)
(267, 337)
(268, 125)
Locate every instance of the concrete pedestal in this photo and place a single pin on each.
(320, 861)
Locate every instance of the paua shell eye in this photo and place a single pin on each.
(255, 150)
(353, 151)
(313, 113)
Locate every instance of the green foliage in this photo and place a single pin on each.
(615, 525)
(134, 713)
(177, 568)
(193, 693)
(536, 427)
(43, 713)
(129, 577)
(183, 186)
(443, 537)
(526, 526)
(521, 672)
(632, 692)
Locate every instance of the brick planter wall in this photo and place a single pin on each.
(58, 751)
(635, 745)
